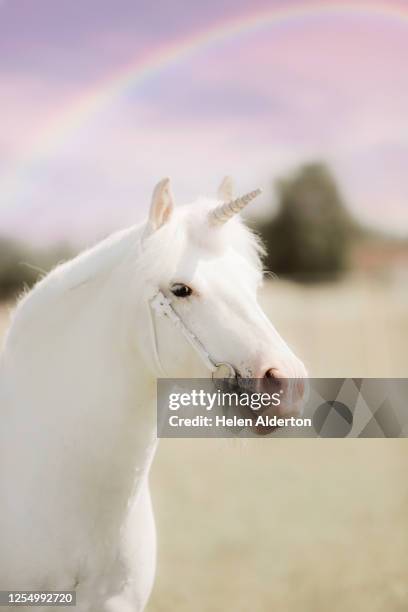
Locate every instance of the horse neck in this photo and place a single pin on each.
(70, 342)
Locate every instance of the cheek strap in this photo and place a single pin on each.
(162, 307)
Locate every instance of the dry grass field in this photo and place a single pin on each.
(294, 525)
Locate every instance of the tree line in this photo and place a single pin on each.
(308, 239)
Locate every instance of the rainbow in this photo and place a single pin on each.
(73, 116)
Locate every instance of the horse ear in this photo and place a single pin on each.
(226, 189)
(162, 205)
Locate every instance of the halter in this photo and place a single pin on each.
(162, 306)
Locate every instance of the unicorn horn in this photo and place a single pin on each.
(224, 212)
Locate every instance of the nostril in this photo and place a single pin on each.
(293, 390)
(275, 379)
(274, 374)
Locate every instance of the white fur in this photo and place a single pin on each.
(77, 391)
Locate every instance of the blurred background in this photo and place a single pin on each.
(307, 100)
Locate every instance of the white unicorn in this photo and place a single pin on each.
(77, 389)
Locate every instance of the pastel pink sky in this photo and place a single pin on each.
(331, 88)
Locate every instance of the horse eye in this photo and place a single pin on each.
(180, 290)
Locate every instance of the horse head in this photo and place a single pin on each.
(206, 266)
